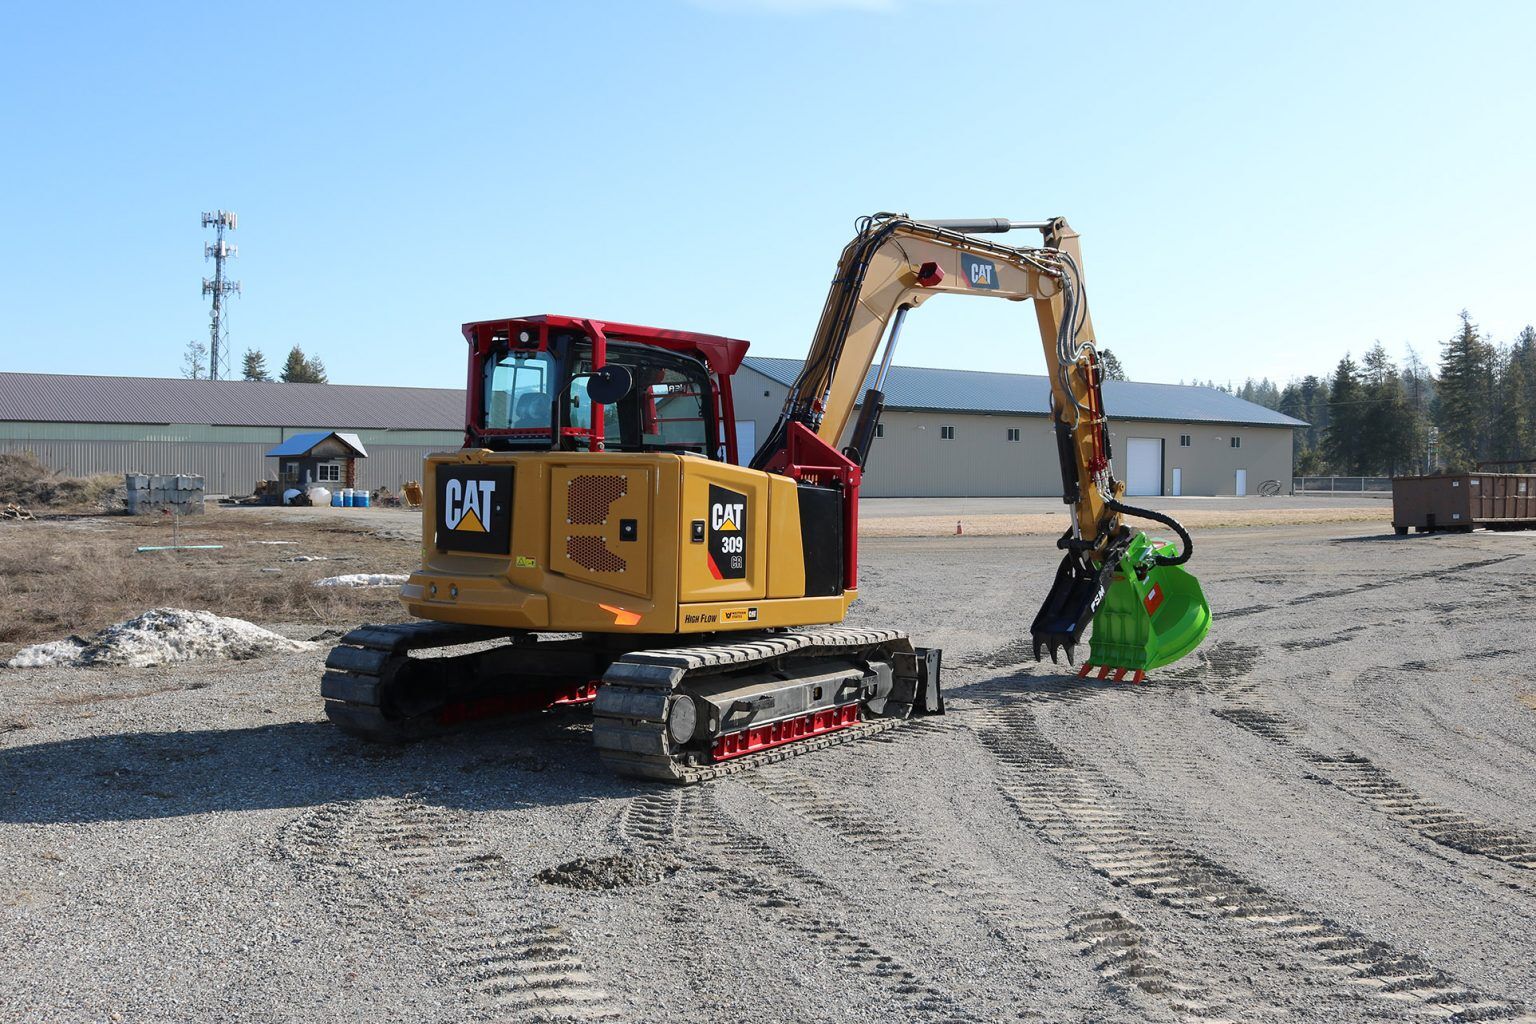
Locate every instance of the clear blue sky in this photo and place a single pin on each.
(1259, 186)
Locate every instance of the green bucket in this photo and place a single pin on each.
(1151, 618)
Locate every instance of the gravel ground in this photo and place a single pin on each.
(1324, 816)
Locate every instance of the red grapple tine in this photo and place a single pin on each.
(1082, 673)
(1119, 674)
(1104, 672)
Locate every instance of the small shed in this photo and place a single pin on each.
(319, 457)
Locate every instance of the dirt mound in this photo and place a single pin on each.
(27, 481)
(363, 579)
(160, 635)
(617, 871)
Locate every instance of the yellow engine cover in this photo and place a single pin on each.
(621, 542)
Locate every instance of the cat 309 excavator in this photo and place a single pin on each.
(597, 541)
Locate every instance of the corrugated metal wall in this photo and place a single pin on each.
(912, 458)
(228, 467)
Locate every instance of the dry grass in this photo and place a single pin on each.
(63, 576)
(1048, 523)
(1528, 699)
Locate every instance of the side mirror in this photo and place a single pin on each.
(610, 384)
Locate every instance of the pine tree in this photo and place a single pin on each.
(1341, 442)
(1462, 410)
(1389, 430)
(1314, 403)
(301, 369)
(194, 362)
(1522, 394)
(1515, 437)
(255, 365)
(1111, 363)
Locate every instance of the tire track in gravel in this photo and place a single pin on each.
(895, 847)
(757, 874)
(408, 863)
(1354, 774)
(1126, 961)
(1121, 953)
(1360, 588)
(1066, 802)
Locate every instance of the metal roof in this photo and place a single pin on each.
(915, 387)
(72, 398)
(302, 444)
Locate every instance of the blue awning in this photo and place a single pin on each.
(300, 445)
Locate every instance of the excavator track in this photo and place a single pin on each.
(762, 698)
(374, 689)
(759, 698)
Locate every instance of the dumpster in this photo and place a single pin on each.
(1462, 501)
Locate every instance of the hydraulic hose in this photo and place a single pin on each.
(1186, 544)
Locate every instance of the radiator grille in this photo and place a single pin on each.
(592, 554)
(588, 498)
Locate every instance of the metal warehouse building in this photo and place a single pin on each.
(945, 433)
(965, 433)
(219, 429)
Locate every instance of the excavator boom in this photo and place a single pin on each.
(894, 265)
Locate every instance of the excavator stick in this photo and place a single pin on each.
(1074, 599)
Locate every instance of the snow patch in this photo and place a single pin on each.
(363, 579)
(54, 652)
(158, 636)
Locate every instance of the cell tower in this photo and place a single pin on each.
(219, 250)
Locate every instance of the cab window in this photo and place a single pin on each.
(668, 409)
(518, 390)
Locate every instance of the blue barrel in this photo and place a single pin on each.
(362, 499)
(336, 498)
(346, 497)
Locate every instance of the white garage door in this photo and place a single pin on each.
(1143, 465)
(746, 441)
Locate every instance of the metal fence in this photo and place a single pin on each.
(1342, 484)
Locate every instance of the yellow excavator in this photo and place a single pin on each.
(598, 540)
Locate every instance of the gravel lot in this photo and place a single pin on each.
(1325, 816)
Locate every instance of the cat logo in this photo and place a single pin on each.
(474, 508)
(467, 504)
(727, 552)
(724, 517)
(979, 273)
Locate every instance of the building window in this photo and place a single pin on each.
(946, 433)
(1237, 442)
(328, 471)
(1185, 441)
(879, 429)
(1015, 434)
